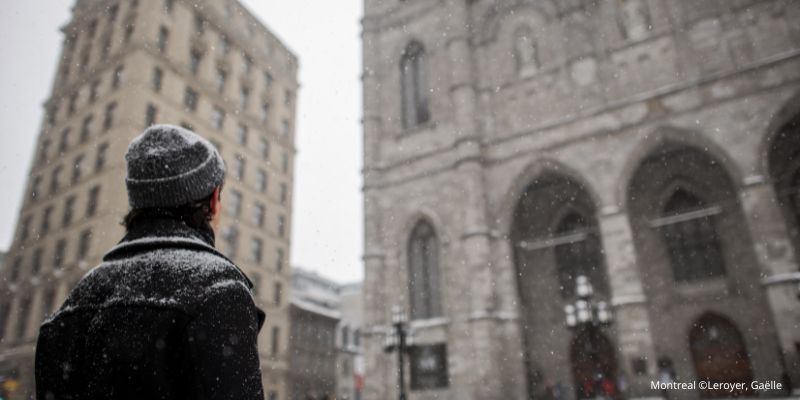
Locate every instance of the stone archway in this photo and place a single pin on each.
(555, 238)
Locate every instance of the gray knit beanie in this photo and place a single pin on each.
(169, 166)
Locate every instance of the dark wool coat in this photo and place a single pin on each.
(164, 316)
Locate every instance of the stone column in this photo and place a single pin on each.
(778, 264)
(631, 319)
(493, 373)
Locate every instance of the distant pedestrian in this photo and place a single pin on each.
(165, 315)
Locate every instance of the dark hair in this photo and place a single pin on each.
(196, 214)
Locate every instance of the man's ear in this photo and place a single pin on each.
(215, 202)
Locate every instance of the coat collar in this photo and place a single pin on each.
(167, 232)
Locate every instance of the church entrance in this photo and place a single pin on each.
(594, 366)
(719, 355)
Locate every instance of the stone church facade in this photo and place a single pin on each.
(650, 145)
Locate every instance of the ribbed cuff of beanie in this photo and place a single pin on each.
(176, 190)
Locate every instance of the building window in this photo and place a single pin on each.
(525, 52)
(263, 148)
(199, 24)
(264, 112)
(94, 198)
(108, 122)
(238, 167)
(69, 210)
(267, 80)
(35, 187)
(690, 232)
(285, 128)
(275, 342)
(36, 262)
(241, 134)
(235, 203)
(190, 99)
(128, 33)
(92, 28)
(112, 14)
(224, 45)
(55, 179)
(280, 260)
(261, 181)
(60, 253)
(77, 168)
(83, 244)
(100, 160)
(158, 77)
(285, 163)
(195, 57)
(86, 128)
(43, 150)
(94, 88)
(16, 268)
(345, 336)
(247, 64)
(287, 97)
(116, 80)
(169, 5)
(52, 113)
(218, 117)
(256, 250)
(258, 215)
(64, 143)
(230, 239)
(278, 293)
(244, 97)
(45, 226)
(284, 193)
(150, 115)
(48, 300)
(24, 310)
(423, 272)
(256, 283)
(414, 86)
(281, 226)
(71, 104)
(222, 78)
(4, 313)
(163, 38)
(25, 230)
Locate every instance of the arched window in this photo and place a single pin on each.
(526, 53)
(423, 272)
(689, 229)
(414, 86)
(576, 254)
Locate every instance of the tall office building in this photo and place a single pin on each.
(209, 65)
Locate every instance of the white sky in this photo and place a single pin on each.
(324, 34)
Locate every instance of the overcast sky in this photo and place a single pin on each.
(324, 34)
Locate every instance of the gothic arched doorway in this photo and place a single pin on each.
(594, 365)
(555, 238)
(720, 355)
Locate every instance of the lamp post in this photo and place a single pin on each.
(587, 314)
(399, 339)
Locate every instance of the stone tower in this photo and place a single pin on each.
(650, 145)
(208, 65)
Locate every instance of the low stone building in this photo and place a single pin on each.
(314, 318)
(649, 145)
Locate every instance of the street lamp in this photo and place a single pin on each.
(400, 339)
(586, 314)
